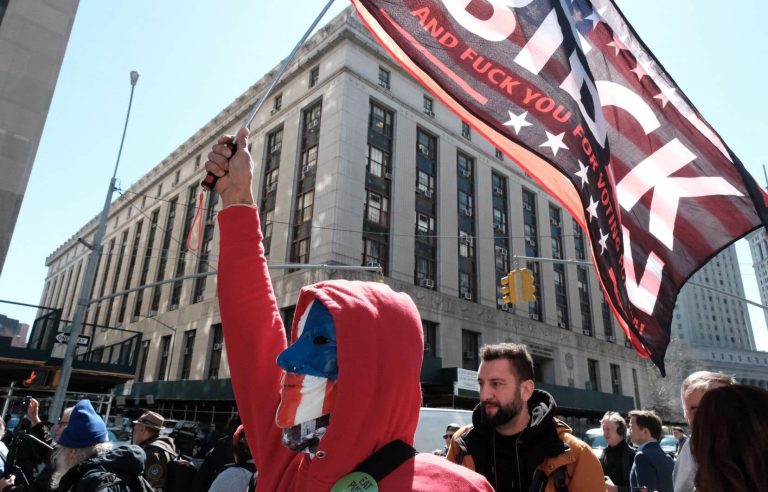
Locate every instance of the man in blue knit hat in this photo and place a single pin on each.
(85, 461)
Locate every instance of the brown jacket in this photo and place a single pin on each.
(160, 452)
(583, 470)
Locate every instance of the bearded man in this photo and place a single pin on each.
(514, 440)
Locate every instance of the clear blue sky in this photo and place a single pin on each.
(196, 57)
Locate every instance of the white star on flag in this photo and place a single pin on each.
(616, 44)
(666, 94)
(582, 173)
(517, 121)
(639, 70)
(594, 17)
(592, 208)
(603, 238)
(554, 142)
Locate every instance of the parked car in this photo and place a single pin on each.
(594, 437)
(168, 427)
(668, 444)
(432, 424)
(188, 437)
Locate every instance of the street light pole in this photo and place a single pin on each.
(83, 300)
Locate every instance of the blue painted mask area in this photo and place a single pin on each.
(314, 351)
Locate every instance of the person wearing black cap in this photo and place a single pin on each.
(449, 432)
(84, 460)
(160, 449)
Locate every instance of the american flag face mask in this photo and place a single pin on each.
(308, 388)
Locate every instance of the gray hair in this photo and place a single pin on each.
(65, 458)
(614, 417)
(705, 381)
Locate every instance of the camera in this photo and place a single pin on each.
(20, 406)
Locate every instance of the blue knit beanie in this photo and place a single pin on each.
(85, 428)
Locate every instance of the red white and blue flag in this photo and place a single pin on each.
(570, 93)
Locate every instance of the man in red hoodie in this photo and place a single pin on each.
(348, 385)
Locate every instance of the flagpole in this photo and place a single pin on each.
(210, 179)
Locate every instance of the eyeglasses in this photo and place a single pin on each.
(447, 436)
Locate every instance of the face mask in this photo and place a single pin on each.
(309, 385)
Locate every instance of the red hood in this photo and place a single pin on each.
(380, 345)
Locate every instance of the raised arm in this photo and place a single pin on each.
(253, 330)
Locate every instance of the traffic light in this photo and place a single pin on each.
(509, 288)
(528, 287)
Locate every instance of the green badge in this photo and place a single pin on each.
(356, 482)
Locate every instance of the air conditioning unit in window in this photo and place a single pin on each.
(467, 355)
(199, 298)
(173, 306)
(497, 191)
(217, 346)
(307, 169)
(151, 313)
(504, 307)
(610, 339)
(274, 110)
(498, 228)
(271, 187)
(372, 263)
(427, 347)
(429, 113)
(467, 296)
(465, 240)
(554, 222)
(427, 283)
(587, 332)
(467, 212)
(561, 324)
(312, 125)
(534, 316)
(428, 193)
(388, 176)
(527, 207)
(466, 173)
(276, 148)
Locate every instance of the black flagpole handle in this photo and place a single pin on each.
(209, 183)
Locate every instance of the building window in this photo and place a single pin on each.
(384, 77)
(470, 343)
(501, 255)
(143, 363)
(425, 272)
(584, 301)
(466, 131)
(378, 162)
(593, 384)
(376, 209)
(161, 265)
(304, 206)
(561, 296)
(188, 352)
(165, 352)
(426, 145)
(425, 183)
(381, 120)
(314, 76)
(499, 222)
(608, 323)
(300, 253)
(206, 247)
(615, 379)
(129, 273)
(374, 253)
(466, 286)
(465, 165)
(499, 155)
(277, 103)
(466, 244)
(182, 255)
(430, 338)
(425, 226)
(308, 161)
(217, 347)
(429, 106)
(465, 204)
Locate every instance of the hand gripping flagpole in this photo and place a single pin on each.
(210, 179)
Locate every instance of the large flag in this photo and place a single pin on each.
(569, 92)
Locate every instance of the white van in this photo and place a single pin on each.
(432, 424)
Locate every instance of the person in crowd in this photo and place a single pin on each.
(3, 448)
(692, 390)
(618, 455)
(652, 468)
(728, 441)
(160, 450)
(84, 460)
(346, 391)
(242, 474)
(218, 457)
(514, 439)
(41, 430)
(681, 438)
(449, 431)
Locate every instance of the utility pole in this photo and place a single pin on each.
(83, 300)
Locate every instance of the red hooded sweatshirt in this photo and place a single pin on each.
(380, 347)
